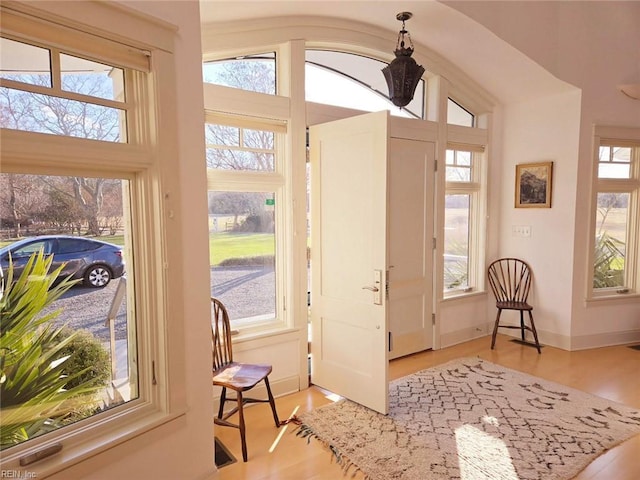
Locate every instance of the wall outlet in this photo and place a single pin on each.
(520, 230)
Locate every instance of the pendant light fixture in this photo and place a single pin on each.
(403, 73)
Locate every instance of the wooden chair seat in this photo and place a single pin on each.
(235, 376)
(240, 376)
(514, 306)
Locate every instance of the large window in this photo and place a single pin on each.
(90, 366)
(463, 220)
(255, 73)
(616, 216)
(354, 81)
(246, 234)
(458, 115)
(44, 90)
(77, 166)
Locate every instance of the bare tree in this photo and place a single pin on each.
(234, 148)
(28, 111)
(21, 201)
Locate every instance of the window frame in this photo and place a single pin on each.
(477, 200)
(244, 57)
(142, 162)
(474, 139)
(261, 182)
(623, 137)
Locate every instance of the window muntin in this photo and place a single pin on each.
(354, 81)
(462, 237)
(82, 310)
(236, 148)
(255, 73)
(616, 231)
(61, 95)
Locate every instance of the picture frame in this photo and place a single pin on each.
(534, 182)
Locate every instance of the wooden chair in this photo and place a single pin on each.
(510, 280)
(238, 377)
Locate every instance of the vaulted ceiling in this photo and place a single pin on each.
(502, 70)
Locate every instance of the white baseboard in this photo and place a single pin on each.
(608, 339)
(552, 339)
(464, 335)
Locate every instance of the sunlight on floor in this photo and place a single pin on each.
(481, 456)
(282, 430)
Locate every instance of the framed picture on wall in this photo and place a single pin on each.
(533, 185)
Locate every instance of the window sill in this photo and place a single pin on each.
(87, 444)
(461, 295)
(256, 335)
(613, 299)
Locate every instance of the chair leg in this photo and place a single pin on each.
(223, 398)
(495, 329)
(522, 329)
(535, 333)
(272, 402)
(241, 427)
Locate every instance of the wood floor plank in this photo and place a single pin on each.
(611, 373)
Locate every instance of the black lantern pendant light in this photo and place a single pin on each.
(403, 73)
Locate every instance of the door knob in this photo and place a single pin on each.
(373, 289)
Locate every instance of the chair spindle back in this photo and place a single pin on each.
(510, 280)
(220, 334)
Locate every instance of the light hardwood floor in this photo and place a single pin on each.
(612, 372)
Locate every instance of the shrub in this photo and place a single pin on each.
(87, 355)
(34, 392)
(255, 261)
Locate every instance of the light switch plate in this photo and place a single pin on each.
(521, 230)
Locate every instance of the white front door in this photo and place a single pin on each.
(349, 343)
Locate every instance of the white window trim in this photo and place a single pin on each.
(252, 181)
(142, 163)
(477, 189)
(603, 135)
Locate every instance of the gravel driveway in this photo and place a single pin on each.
(246, 291)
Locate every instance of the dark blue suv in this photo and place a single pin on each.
(94, 261)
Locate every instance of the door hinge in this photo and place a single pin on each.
(433, 319)
(434, 243)
(154, 381)
(390, 341)
(435, 165)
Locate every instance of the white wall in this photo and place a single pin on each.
(545, 129)
(593, 46)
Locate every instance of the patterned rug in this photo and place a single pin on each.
(470, 419)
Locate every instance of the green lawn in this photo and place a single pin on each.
(222, 246)
(115, 239)
(226, 245)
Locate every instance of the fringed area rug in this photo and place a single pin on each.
(472, 420)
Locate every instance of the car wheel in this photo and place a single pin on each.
(97, 276)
